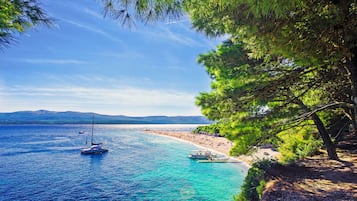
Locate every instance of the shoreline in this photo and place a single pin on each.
(219, 145)
(185, 141)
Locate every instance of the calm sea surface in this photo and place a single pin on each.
(43, 162)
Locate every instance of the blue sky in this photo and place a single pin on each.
(90, 64)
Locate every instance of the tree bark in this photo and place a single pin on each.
(352, 65)
(330, 147)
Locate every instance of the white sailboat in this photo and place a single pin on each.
(95, 148)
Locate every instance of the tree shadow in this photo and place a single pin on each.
(340, 195)
(314, 179)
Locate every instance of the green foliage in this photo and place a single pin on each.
(17, 16)
(254, 100)
(249, 187)
(311, 33)
(146, 11)
(298, 143)
(260, 188)
(245, 134)
(213, 129)
(254, 182)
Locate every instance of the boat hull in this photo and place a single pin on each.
(201, 155)
(196, 157)
(94, 149)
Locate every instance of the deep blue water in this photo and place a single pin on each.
(43, 162)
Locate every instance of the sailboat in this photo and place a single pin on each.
(95, 148)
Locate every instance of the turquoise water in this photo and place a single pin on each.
(43, 162)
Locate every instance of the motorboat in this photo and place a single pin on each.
(201, 155)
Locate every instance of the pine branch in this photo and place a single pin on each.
(330, 105)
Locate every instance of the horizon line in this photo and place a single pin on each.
(44, 110)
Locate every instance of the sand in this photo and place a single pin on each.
(219, 145)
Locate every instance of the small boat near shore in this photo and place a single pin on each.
(201, 155)
(216, 160)
(206, 156)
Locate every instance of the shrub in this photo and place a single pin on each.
(298, 143)
(213, 129)
(254, 182)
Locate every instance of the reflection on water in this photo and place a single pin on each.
(95, 160)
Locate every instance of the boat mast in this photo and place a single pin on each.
(92, 129)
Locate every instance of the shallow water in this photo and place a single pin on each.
(43, 162)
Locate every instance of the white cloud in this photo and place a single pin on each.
(177, 21)
(116, 100)
(85, 80)
(52, 61)
(165, 33)
(92, 29)
(178, 37)
(93, 13)
(124, 55)
(180, 32)
(211, 42)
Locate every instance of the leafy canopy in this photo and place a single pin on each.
(16, 16)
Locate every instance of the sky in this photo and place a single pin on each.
(88, 63)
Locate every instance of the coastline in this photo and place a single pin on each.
(219, 145)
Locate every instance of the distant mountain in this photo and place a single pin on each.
(50, 117)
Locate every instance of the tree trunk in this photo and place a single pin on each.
(330, 147)
(352, 65)
(353, 119)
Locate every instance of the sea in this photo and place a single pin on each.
(43, 162)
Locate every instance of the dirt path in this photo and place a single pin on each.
(316, 179)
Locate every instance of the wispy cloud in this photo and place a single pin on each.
(93, 13)
(92, 29)
(185, 25)
(184, 19)
(178, 37)
(126, 95)
(184, 35)
(164, 33)
(85, 80)
(52, 61)
(113, 100)
(123, 55)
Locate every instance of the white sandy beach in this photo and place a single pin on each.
(219, 145)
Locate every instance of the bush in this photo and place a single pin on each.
(260, 188)
(254, 182)
(213, 129)
(297, 144)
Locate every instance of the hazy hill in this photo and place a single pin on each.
(50, 117)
